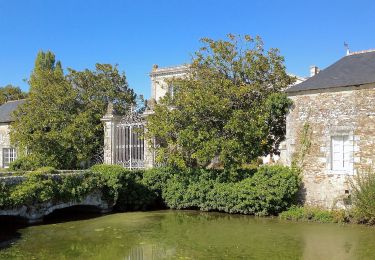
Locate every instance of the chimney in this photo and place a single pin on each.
(313, 70)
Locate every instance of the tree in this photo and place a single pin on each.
(41, 122)
(95, 89)
(10, 92)
(60, 125)
(230, 107)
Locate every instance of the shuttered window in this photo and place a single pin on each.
(342, 153)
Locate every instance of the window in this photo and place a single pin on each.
(341, 153)
(9, 155)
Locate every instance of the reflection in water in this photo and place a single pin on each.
(191, 234)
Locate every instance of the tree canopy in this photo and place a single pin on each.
(60, 125)
(10, 92)
(229, 108)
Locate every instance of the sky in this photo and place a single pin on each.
(137, 34)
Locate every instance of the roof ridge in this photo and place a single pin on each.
(361, 52)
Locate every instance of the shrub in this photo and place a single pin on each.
(306, 213)
(47, 170)
(270, 190)
(26, 163)
(364, 197)
(124, 187)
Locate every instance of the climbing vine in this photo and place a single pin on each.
(305, 144)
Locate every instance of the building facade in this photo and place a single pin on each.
(8, 153)
(331, 129)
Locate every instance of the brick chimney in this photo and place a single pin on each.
(313, 70)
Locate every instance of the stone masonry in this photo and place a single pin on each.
(348, 111)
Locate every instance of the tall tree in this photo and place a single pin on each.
(230, 107)
(10, 92)
(41, 122)
(60, 125)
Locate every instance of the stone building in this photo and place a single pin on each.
(331, 128)
(8, 153)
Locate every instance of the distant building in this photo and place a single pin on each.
(8, 153)
(334, 111)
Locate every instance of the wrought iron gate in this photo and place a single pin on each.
(129, 142)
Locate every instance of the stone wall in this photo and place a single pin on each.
(160, 76)
(35, 213)
(4, 140)
(346, 111)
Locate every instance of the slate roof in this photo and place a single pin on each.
(7, 109)
(354, 69)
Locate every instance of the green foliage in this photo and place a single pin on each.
(46, 170)
(230, 107)
(10, 92)
(124, 187)
(37, 188)
(364, 197)
(269, 191)
(25, 163)
(296, 213)
(59, 124)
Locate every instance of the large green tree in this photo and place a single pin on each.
(10, 92)
(59, 125)
(229, 108)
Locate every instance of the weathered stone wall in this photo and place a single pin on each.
(160, 76)
(342, 111)
(4, 140)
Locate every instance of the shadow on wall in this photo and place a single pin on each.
(301, 195)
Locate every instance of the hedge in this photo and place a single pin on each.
(266, 191)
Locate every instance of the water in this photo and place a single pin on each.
(190, 235)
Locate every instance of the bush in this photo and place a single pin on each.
(364, 197)
(306, 213)
(269, 191)
(125, 187)
(39, 187)
(47, 170)
(26, 163)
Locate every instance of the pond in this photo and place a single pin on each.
(190, 235)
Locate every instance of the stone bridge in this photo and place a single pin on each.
(36, 213)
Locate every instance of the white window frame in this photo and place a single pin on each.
(9, 155)
(347, 151)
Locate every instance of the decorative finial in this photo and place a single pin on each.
(132, 109)
(155, 67)
(110, 109)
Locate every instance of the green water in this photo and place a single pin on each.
(191, 235)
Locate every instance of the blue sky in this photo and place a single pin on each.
(138, 34)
